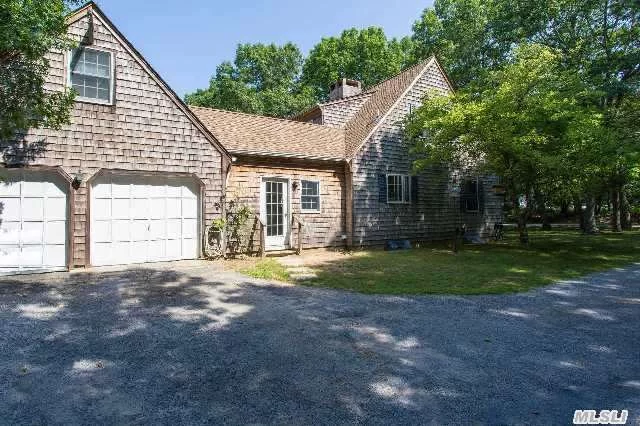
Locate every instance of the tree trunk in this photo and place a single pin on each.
(589, 216)
(577, 210)
(625, 212)
(522, 226)
(616, 225)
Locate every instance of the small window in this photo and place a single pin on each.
(398, 189)
(310, 197)
(469, 197)
(91, 74)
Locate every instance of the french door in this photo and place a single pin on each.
(274, 209)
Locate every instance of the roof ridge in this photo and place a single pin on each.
(345, 99)
(225, 111)
(424, 62)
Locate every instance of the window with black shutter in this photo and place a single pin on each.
(469, 200)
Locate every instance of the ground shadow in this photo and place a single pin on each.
(200, 344)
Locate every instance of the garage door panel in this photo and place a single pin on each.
(174, 208)
(32, 232)
(120, 252)
(120, 208)
(54, 254)
(33, 188)
(11, 210)
(32, 209)
(188, 192)
(53, 190)
(140, 230)
(9, 256)
(55, 232)
(55, 208)
(121, 230)
(139, 251)
(189, 228)
(157, 229)
(158, 208)
(190, 208)
(174, 249)
(101, 231)
(101, 190)
(33, 222)
(157, 249)
(10, 188)
(161, 216)
(102, 251)
(120, 190)
(9, 231)
(189, 248)
(101, 209)
(174, 228)
(31, 256)
(140, 208)
(174, 191)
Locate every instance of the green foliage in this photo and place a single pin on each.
(28, 30)
(263, 79)
(523, 125)
(218, 224)
(365, 55)
(276, 81)
(461, 35)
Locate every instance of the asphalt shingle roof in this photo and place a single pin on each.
(244, 133)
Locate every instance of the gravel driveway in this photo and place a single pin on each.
(191, 343)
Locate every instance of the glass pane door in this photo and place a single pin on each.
(275, 211)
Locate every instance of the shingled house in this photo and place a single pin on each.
(138, 175)
(344, 170)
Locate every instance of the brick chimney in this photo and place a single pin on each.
(344, 88)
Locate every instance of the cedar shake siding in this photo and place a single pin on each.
(323, 228)
(146, 130)
(436, 212)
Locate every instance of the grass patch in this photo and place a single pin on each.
(501, 267)
(268, 269)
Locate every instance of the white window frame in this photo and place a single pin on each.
(112, 78)
(477, 180)
(404, 180)
(319, 209)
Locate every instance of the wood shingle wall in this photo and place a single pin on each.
(437, 211)
(144, 130)
(323, 229)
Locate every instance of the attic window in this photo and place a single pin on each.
(91, 75)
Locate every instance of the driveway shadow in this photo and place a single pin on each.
(196, 345)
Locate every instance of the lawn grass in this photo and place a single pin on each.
(498, 267)
(268, 269)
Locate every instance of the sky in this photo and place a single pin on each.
(185, 40)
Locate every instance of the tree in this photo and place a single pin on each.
(522, 126)
(263, 79)
(462, 34)
(28, 30)
(597, 40)
(365, 55)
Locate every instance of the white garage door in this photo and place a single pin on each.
(143, 219)
(33, 222)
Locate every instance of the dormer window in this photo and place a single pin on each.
(91, 75)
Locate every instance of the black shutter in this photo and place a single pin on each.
(414, 189)
(382, 188)
(480, 196)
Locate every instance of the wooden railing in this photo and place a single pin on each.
(297, 221)
(262, 229)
